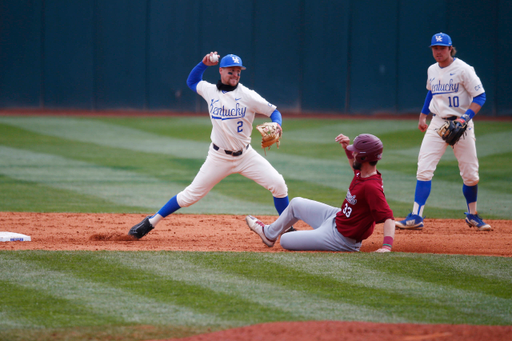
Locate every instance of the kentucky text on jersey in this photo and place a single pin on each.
(445, 88)
(221, 113)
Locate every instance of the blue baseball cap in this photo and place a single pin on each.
(231, 60)
(441, 39)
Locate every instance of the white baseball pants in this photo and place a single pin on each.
(433, 147)
(219, 165)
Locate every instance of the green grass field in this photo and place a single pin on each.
(135, 164)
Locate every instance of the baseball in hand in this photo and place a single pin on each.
(214, 58)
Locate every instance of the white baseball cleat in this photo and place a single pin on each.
(257, 227)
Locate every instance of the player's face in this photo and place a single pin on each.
(230, 75)
(357, 165)
(442, 55)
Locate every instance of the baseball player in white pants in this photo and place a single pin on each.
(335, 228)
(455, 92)
(232, 108)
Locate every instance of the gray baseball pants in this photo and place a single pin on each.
(321, 217)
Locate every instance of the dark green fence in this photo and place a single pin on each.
(345, 56)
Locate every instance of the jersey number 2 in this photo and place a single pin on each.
(347, 210)
(240, 126)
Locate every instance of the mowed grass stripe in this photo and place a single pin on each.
(247, 288)
(117, 136)
(329, 129)
(18, 196)
(410, 306)
(55, 281)
(33, 307)
(491, 268)
(98, 267)
(426, 266)
(428, 280)
(185, 268)
(332, 172)
(109, 135)
(16, 322)
(117, 186)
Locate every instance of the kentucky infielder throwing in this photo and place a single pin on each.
(455, 92)
(232, 108)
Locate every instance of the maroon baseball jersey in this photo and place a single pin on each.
(364, 206)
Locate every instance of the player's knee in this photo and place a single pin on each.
(469, 175)
(424, 175)
(186, 199)
(286, 241)
(279, 188)
(297, 205)
(471, 182)
(296, 201)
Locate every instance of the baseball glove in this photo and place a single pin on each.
(452, 131)
(271, 133)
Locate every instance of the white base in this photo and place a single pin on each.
(13, 237)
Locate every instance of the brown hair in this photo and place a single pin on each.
(453, 51)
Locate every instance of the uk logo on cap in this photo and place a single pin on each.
(231, 60)
(441, 39)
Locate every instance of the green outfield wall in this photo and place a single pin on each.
(344, 56)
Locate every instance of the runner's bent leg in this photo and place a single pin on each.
(312, 212)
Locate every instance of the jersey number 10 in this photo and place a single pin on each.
(455, 101)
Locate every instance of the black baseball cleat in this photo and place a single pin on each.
(141, 229)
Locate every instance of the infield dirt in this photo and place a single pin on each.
(183, 232)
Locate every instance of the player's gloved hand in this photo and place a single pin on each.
(271, 132)
(279, 130)
(383, 249)
(468, 115)
(463, 119)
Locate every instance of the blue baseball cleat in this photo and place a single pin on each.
(411, 222)
(474, 220)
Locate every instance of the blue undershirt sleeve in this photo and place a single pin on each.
(196, 75)
(425, 109)
(480, 99)
(276, 117)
